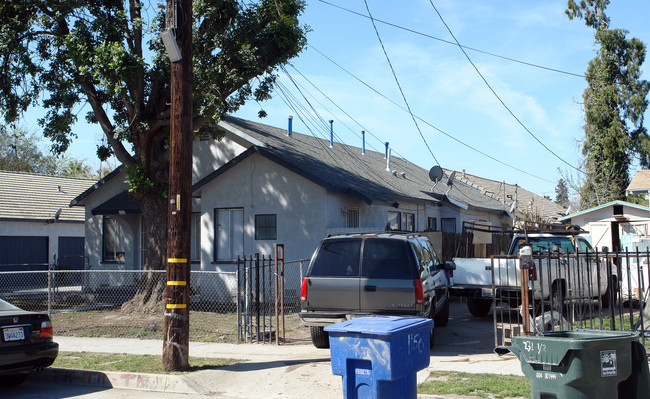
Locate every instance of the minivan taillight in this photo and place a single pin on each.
(303, 289)
(46, 329)
(419, 292)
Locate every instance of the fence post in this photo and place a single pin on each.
(49, 289)
(239, 298)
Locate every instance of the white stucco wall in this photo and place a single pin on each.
(210, 155)
(94, 228)
(260, 186)
(39, 229)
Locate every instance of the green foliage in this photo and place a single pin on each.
(75, 53)
(562, 193)
(137, 179)
(614, 101)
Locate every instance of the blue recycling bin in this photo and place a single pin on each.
(379, 356)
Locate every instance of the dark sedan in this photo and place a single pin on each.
(25, 343)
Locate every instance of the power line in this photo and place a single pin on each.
(398, 84)
(426, 122)
(495, 93)
(455, 43)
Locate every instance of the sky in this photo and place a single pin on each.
(493, 117)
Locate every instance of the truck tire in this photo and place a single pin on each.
(479, 307)
(442, 318)
(319, 337)
(605, 298)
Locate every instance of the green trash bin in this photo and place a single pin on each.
(583, 364)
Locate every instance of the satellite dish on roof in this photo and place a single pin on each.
(450, 179)
(435, 174)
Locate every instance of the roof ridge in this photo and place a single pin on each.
(16, 172)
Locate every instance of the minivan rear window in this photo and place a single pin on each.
(337, 259)
(386, 259)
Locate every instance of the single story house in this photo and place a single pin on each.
(37, 226)
(262, 185)
(523, 204)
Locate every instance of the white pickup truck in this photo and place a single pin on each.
(559, 275)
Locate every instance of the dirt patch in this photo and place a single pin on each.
(204, 326)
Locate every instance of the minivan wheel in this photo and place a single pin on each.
(319, 337)
(442, 318)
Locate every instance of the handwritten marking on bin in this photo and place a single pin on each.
(538, 347)
(415, 343)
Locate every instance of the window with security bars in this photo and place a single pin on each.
(353, 218)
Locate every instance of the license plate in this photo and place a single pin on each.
(14, 334)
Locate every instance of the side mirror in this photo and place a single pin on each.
(449, 265)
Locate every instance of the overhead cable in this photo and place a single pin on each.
(428, 123)
(455, 44)
(398, 84)
(496, 95)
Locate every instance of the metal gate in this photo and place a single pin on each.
(566, 291)
(260, 298)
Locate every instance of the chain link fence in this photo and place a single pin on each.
(107, 303)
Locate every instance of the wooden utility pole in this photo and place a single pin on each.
(177, 294)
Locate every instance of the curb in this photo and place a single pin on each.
(115, 379)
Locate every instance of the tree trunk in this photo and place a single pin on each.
(149, 297)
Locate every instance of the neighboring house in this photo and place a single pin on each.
(617, 225)
(528, 205)
(37, 226)
(262, 185)
(640, 184)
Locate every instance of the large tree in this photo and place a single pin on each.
(107, 54)
(614, 101)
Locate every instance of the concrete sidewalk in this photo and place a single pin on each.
(267, 371)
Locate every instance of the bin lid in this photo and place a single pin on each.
(380, 325)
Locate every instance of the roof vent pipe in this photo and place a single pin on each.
(388, 151)
(331, 133)
(363, 142)
(290, 128)
(386, 156)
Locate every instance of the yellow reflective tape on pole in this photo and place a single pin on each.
(176, 306)
(177, 283)
(176, 260)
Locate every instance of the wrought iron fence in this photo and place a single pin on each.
(571, 290)
(106, 302)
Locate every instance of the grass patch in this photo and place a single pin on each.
(480, 385)
(131, 363)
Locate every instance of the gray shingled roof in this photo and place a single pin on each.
(29, 196)
(526, 200)
(344, 169)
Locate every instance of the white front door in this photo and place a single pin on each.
(230, 233)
